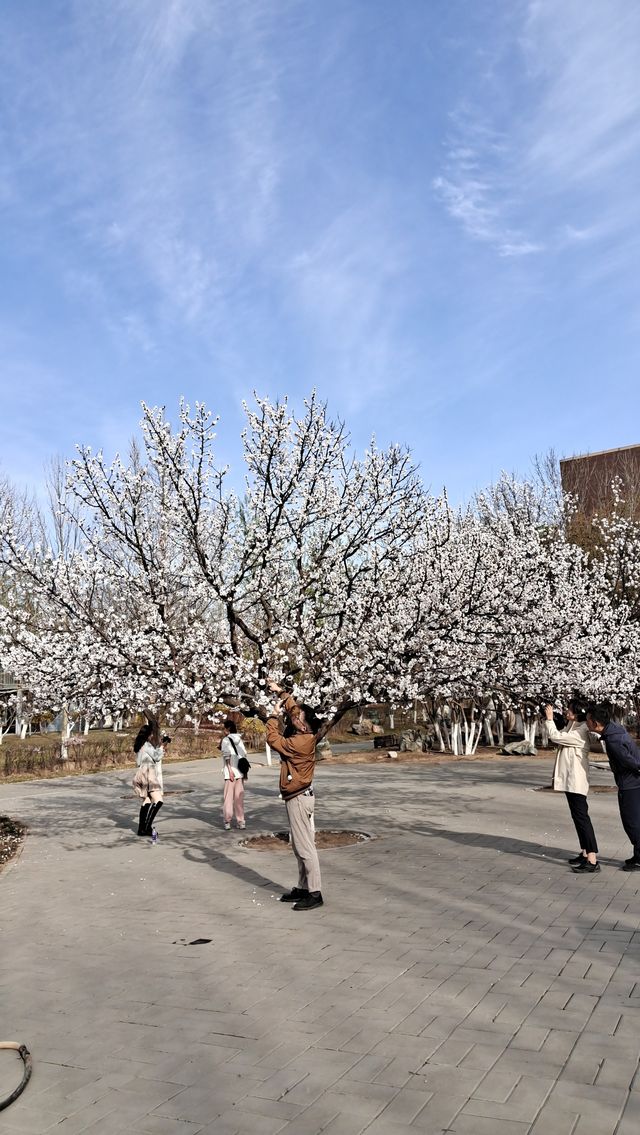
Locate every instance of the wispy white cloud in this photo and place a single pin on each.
(559, 168)
(173, 182)
(479, 186)
(349, 285)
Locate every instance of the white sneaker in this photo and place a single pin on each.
(227, 827)
(241, 825)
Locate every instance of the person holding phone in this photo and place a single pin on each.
(571, 776)
(296, 747)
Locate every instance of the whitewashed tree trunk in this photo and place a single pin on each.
(64, 733)
(500, 730)
(529, 727)
(415, 713)
(488, 735)
(18, 721)
(471, 733)
(196, 726)
(456, 738)
(392, 720)
(447, 735)
(85, 726)
(438, 735)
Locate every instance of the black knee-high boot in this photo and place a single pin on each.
(153, 812)
(142, 823)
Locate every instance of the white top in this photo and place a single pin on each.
(231, 756)
(148, 754)
(571, 770)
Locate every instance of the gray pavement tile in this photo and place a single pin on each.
(339, 1125)
(521, 1105)
(558, 1120)
(630, 1119)
(474, 1125)
(406, 1106)
(280, 1109)
(533, 974)
(280, 1083)
(22, 1119)
(311, 1089)
(157, 1125)
(481, 1057)
(246, 1123)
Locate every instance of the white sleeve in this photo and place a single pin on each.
(573, 740)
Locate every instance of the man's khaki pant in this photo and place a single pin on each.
(300, 815)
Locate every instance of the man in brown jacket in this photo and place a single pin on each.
(297, 750)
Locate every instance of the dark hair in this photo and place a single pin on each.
(599, 711)
(232, 726)
(243, 767)
(144, 734)
(310, 716)
(577, 707)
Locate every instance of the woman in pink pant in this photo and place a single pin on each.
(234, 766)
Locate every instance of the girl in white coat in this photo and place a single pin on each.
(147, 782)
(571, 776)
(234, 766)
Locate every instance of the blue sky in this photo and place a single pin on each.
(427, 209)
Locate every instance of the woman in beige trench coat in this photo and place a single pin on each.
(571, 776)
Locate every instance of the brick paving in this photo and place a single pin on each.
(459, 979)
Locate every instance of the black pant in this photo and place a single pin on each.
(629, 803)
(580, 815)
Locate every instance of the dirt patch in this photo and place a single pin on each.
(279, 841)
(11, 836)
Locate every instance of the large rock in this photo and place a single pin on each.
(362, 728)
(413, 741)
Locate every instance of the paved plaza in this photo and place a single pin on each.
(459, 978)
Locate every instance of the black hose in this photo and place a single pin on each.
(26, 1075)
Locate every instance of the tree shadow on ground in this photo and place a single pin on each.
(504, 844)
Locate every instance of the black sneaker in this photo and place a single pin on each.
(587, 868)
(631, 865)
(309, 900)
(293, 895)
(578, 859)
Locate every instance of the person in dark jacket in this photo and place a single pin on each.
(624, 759)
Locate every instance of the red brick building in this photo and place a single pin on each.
(589, 477)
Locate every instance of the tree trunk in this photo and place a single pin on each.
(500, 730)
(64, 733)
